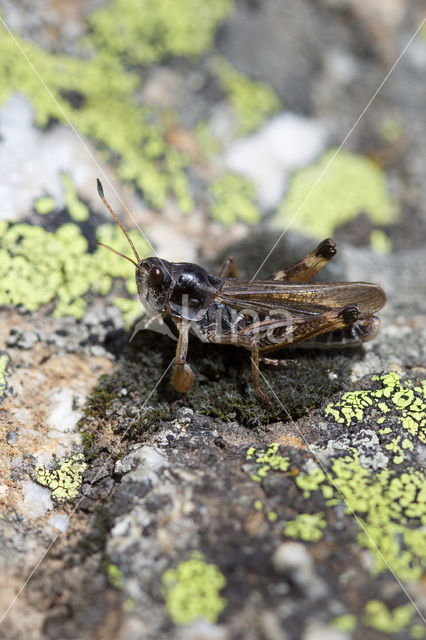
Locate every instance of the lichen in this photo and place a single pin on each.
(108, 113)
(337, 193)
(233, 199)
(77, 209)
(307, 526)
(191, 591)
(378, 616)
(346, 622)
(268, 459)
(4, 359)
(65, 480)
(115, 576)
(39, 267)
(44, 205)
(398, 407)
(389, 506)
(252, 102)
(144, 32)
(380, 242)
(391, 510)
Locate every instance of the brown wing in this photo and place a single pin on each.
(306, 300)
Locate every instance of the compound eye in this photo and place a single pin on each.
(155, 277)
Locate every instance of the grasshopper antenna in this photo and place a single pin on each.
(101, 244)
(108, 206)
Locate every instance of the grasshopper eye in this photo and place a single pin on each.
(155, 277)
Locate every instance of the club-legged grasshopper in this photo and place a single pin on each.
(261, 316)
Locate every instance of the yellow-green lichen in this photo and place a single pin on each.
(44, 205)
(346, 622)
(39, 267)
(192, 591)
(76, 208)
(108, 113)
(3, 365)
(339, 190)
(115, 576)
(65, 480)
(252, 102)
(146, 32)
(308, 527)
(378, 616)
(233, 200)
(268, 459)
(394, 403)
(392, 511)
(380, 242)
(390, 507)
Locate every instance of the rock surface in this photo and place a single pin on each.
(128, 511)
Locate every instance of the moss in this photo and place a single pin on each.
(191, 591)
(39, 267)
(352, 184)
(252, 102)
(65, 480)
(76, 208)
(308, 527)
(222, 384)
(378, 616)
(233, 200)
(3, 366)
(143, 32)
(115, 576)
(44, 205)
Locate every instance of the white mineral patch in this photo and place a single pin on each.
(59, 521)
(61, 415)
(36, 500)
(287, 142)
(31, 161)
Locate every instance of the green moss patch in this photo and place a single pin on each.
(222, 384)
(349, 186)
(192, 591)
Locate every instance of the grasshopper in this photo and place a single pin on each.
(261, 316)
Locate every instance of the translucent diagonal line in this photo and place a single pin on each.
(333, 157)
(46, 551)
(331, 481)
(76, 132)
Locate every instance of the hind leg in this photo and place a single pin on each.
(308, 266)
